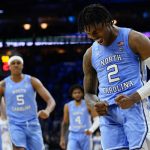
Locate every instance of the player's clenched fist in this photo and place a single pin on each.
(124, 101)
(88, 132)
(43, 114)
(101, 108)
(62, 144)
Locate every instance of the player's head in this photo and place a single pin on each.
(97, 22)
(15, 65)
(76, 92)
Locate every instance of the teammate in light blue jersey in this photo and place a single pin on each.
(19, 91)
(114, 60)
(78, 116)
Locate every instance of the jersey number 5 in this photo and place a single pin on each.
(20, 99)
(113, 67)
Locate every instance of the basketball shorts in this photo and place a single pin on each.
(123, 128)
(79, 141)
(27, 135)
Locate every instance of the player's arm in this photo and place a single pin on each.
(46, 96)
(90, 79)
(3, 109)
(2, 88)
(140, 45)
(96, 121)
(90, 85)
(2, 112)
(64, 127)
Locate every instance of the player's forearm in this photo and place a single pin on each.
(91, 99)
(95, 124)
(50, 105)
(135, 97)
(64, 129)
(144, 91)
(141, 94)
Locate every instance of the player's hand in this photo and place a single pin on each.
(124, 101)
(101, 108)
(62, 144)
(43, 114)
(88, 132)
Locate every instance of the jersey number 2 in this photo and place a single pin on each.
(110, 74)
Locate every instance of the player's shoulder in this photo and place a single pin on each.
(135, 39)
(35, 82)
(85, 104)
(2, 86)
(88, 51)
(88, 54)
(83, 101)
(2, 83)
(27, 75)
(70, 102)
(66, 107)
(34, 79)
(135, 35)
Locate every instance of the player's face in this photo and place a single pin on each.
(16, 67)
(100, 33)
(77, 94)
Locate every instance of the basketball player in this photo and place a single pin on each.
(6, 142)
(77, 116)
(19, 91)
(114, 61)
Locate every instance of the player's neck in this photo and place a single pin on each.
(78, 102)
(17, 78)
(115, 32)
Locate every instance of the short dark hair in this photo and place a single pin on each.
(74, 87)
(93, 15)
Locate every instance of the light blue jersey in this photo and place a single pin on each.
(79, 117)
(118, 68)
(79, 120)
(21, 109)
(20, 100)
(119, 72)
